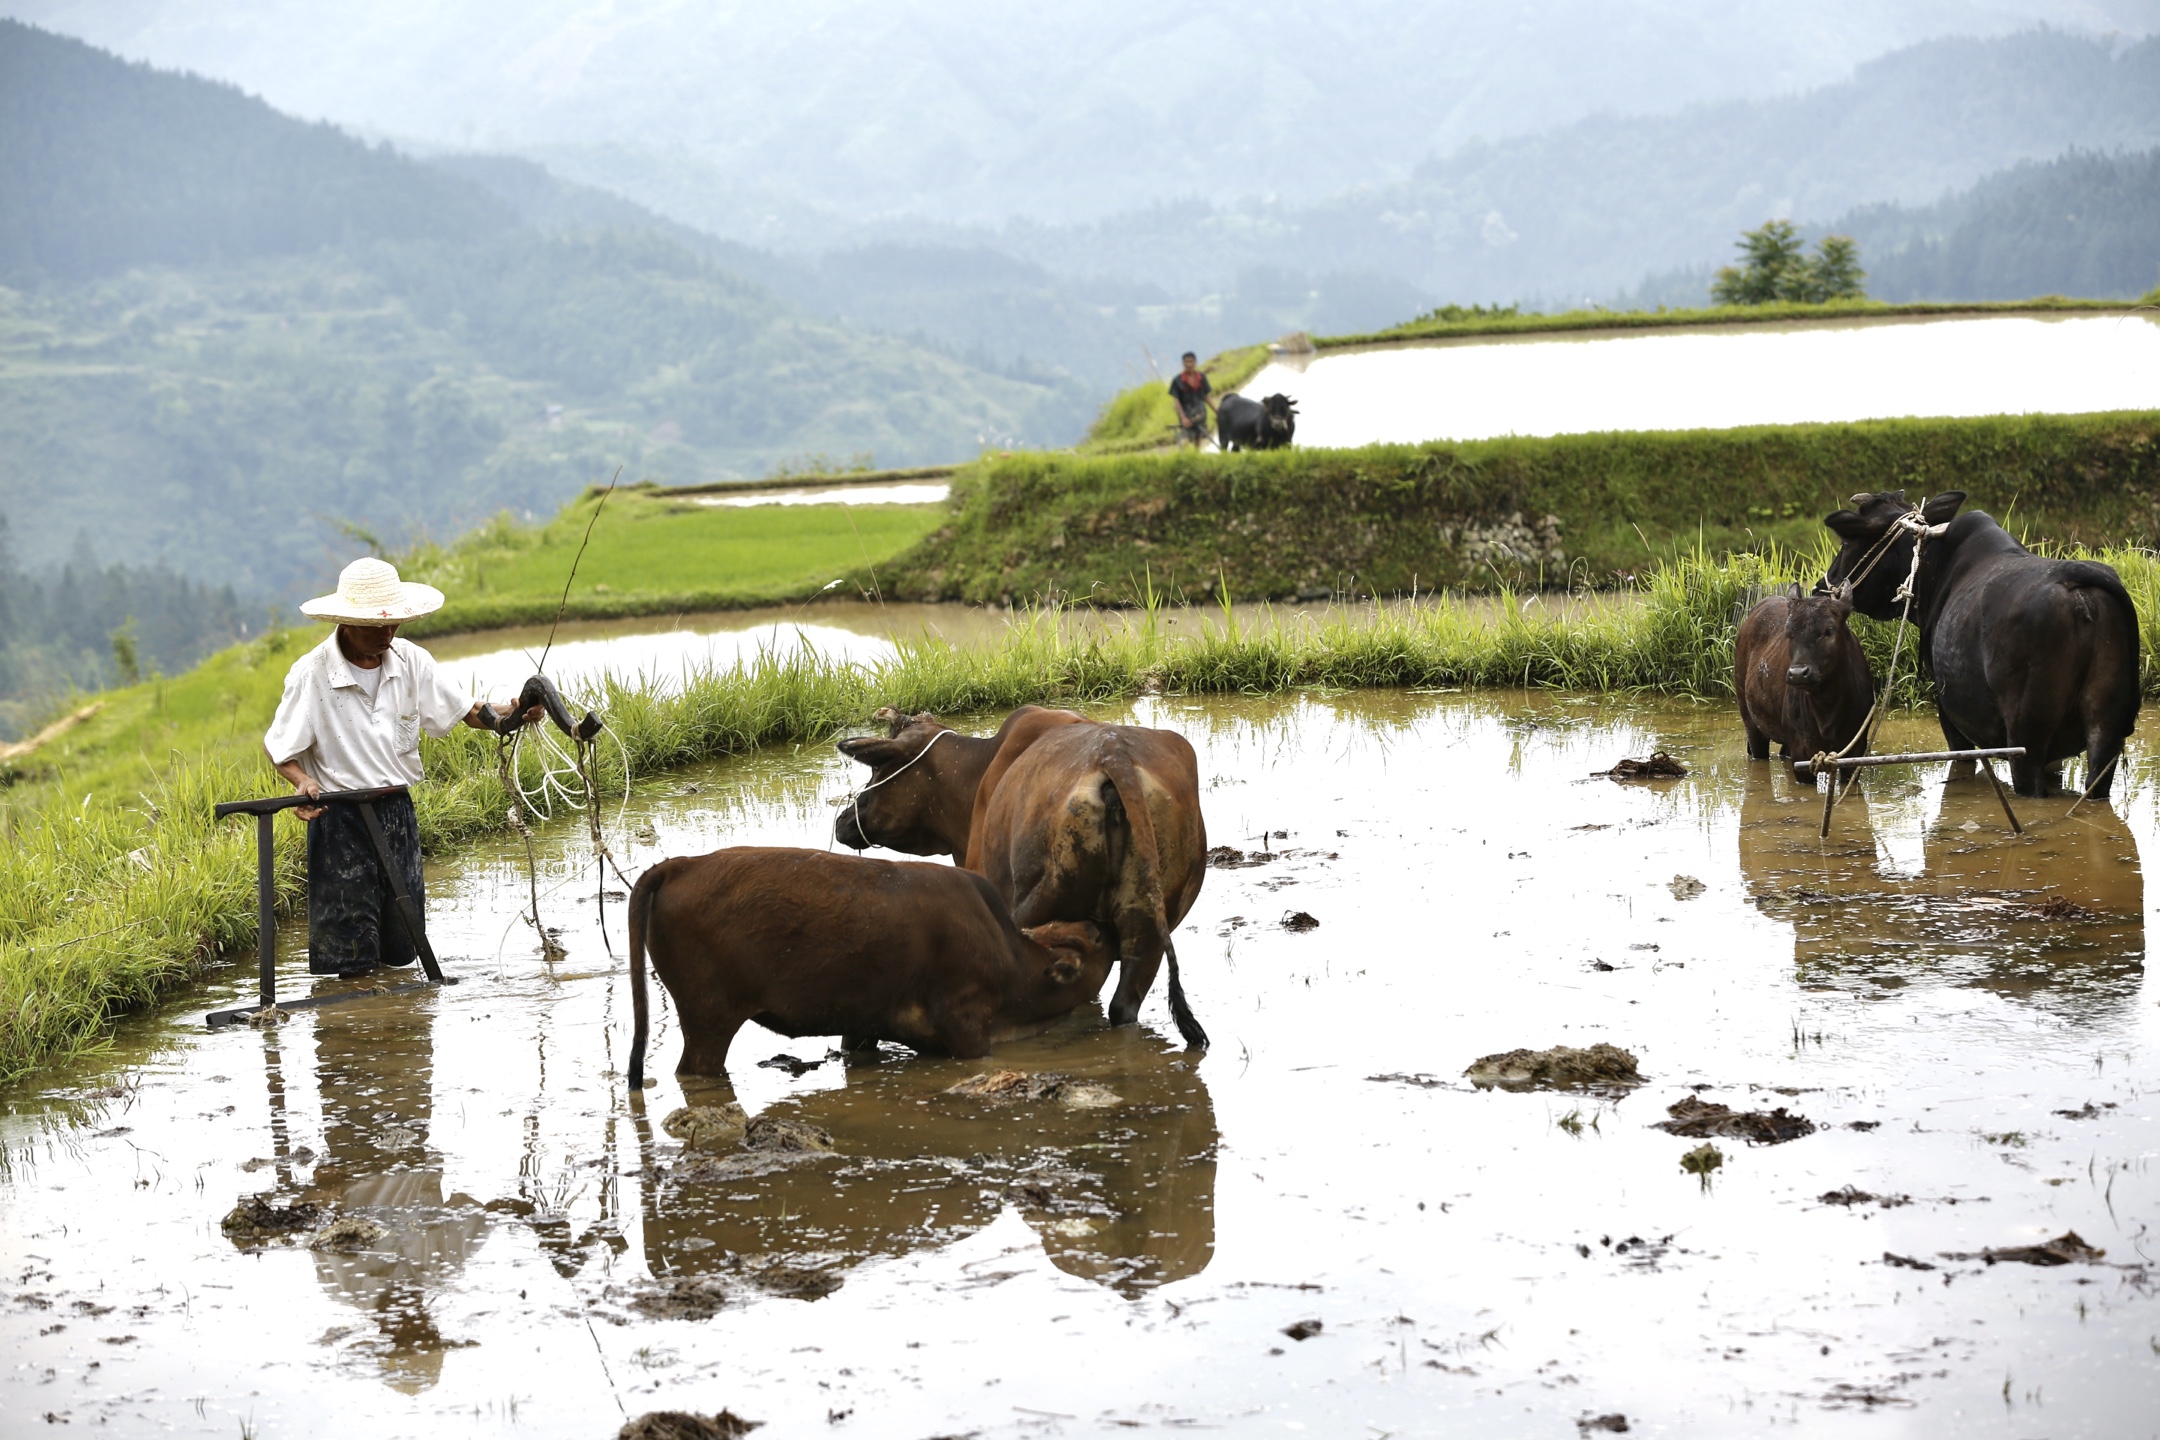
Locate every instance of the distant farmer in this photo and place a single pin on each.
(351, 718)
(1189, 388)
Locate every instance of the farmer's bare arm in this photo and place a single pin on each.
(302, 784)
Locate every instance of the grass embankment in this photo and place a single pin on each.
(116, 886)
(1387, 519)
(656, 553)
(1460, 323)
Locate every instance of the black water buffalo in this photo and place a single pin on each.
(2024, 650)
(1244, 424)
(1801, 678)
(808, 943)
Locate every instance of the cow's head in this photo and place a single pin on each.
(1878, 544)
(1816, 636)
(900, 805)
(1280, 421)
(1081, 954)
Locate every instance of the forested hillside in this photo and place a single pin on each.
(284, 329)
(2085, 224)
(105, 165)
(85, 626)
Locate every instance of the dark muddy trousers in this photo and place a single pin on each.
(353, 924)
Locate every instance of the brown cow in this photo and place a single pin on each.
(1069, 819)
(809, 943)
(1801, 678)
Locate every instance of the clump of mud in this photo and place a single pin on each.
(707, 1127)
(788, 1136)
(796, 1282)
(682, 1425)
(1563, 1067)
(347, 1233)
(1660, 766)
(2064, 1249)
(2059, 907)
(1699, 1119)
(1014, 1087)
(688, 1297)
(1300, 921)
(1852, 1195)
(766, 1144)
(256, 1217)
(1225, 857)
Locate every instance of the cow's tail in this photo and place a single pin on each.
(641, 899)
(1140, 825)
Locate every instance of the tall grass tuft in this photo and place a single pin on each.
(110, 900)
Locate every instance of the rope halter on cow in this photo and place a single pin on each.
(852, 801)
(1912, 522)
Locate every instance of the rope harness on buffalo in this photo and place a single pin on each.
(852, 802)
(1912, 522)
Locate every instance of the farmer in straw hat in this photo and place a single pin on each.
(350, 719)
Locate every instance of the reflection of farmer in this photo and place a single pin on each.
(351, 719)
(1189, 389)
(375, 1072)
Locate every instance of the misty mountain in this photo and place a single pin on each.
(287, 332)
(969, 111)
(994, 309)
(1588, 209)
(107, 166)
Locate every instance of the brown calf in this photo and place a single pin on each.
(807, 943)
(1801, 678)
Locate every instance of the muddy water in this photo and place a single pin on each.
(1713, 378)
(1932, 993)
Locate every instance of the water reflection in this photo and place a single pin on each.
(1122, 1194)
(2055, 916)
(374, 1065)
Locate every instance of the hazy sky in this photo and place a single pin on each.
(973, 110)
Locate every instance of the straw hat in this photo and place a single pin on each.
(369, 593)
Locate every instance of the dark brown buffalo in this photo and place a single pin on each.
(1801, 678)
(808, 943)
(2024, 650)
(1069, 819)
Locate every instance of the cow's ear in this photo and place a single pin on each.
(1938, 510)
(871, 750)
(1846, 524)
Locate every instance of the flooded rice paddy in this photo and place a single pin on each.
(1318, 1227)
(659, 650)
(1714, 378)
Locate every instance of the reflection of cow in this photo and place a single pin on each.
(2025, 650)
(1801, 678)
(1243, 424)
(2055, 915)
(807, 943)
(1122, 1195)
(1069, 819)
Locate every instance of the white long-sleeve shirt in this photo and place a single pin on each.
(348, 739)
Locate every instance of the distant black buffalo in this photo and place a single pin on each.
(1242, 424)
(2024, 650)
